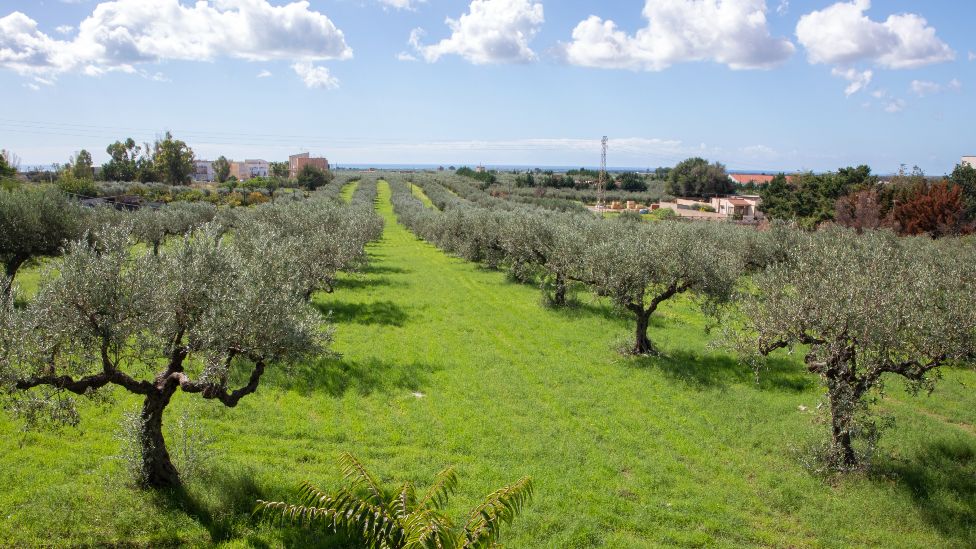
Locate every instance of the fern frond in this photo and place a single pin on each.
(404, 502)
(429, 529)
(357, 474)
(342, 512)
(500, 508)
(445, 483)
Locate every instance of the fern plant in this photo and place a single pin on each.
(400, 519)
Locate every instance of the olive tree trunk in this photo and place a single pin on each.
(157, 468)
(560, 291)
(11, 268)
(643, 345)
(842, 400)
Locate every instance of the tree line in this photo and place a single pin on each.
(142, 169)
(909, 203)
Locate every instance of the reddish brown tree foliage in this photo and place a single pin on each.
(936, 211)
(860, 210)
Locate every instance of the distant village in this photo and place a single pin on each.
(203, 170)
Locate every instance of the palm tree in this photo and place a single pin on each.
(381, 519)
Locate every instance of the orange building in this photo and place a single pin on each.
(298, 161)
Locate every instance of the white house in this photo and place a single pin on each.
(971, 160)
(257, 168)
(203, 170)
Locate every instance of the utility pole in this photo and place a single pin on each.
(601, 185)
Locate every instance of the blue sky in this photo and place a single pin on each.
(756, 85)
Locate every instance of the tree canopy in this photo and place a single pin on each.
(313, 178)
(221, 169)
(639, 267)
(867, 306)
(34, 222)
(695, 177)
(173, 160)
(123, 163)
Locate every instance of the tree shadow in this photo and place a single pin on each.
(719, 371)
(223, 503)
(220, 509)
(373, 269)
(381, 313)
(941, 478)
(337, 376)
(362, 283)
(576, 308)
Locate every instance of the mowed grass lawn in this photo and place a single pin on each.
(445, 363)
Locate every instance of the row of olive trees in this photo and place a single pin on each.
(204, 315)
(863, 306)
(638, 265)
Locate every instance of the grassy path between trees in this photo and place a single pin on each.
(446, 363)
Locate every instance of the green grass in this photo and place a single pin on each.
(444, 363)
(419, 193)
(348, 190)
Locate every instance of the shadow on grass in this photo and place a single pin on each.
(361, 283)
(718, 370)
(941, 478)
(337, 376)
(224, 502)
(576, 308)
(381, 313)
(373, 269)
(227, 502)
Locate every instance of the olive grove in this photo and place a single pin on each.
(203, 315)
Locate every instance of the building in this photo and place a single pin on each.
(256, 168)
(970, 160)
(298, 161)
(250, 168)
(754, 178)
(720, 208)
(203, 170)
(738, 207)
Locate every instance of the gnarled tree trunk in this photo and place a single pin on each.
(843, 401)
(157, 468)
(560, 294)
(643, 345)
(11, 269)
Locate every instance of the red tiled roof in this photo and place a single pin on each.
(739, 202)
(757, 178)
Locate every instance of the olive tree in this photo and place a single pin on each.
(321, 237)
(546, 246)
(640, 266)
(198, 318)
(34, 222)
(152, 226)
(866, 306)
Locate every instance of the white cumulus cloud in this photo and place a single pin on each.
(315, 76)
(842, 34)
(264, 74)
(122, 34)
(858, 80)
(730, 32)
(492, 31)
